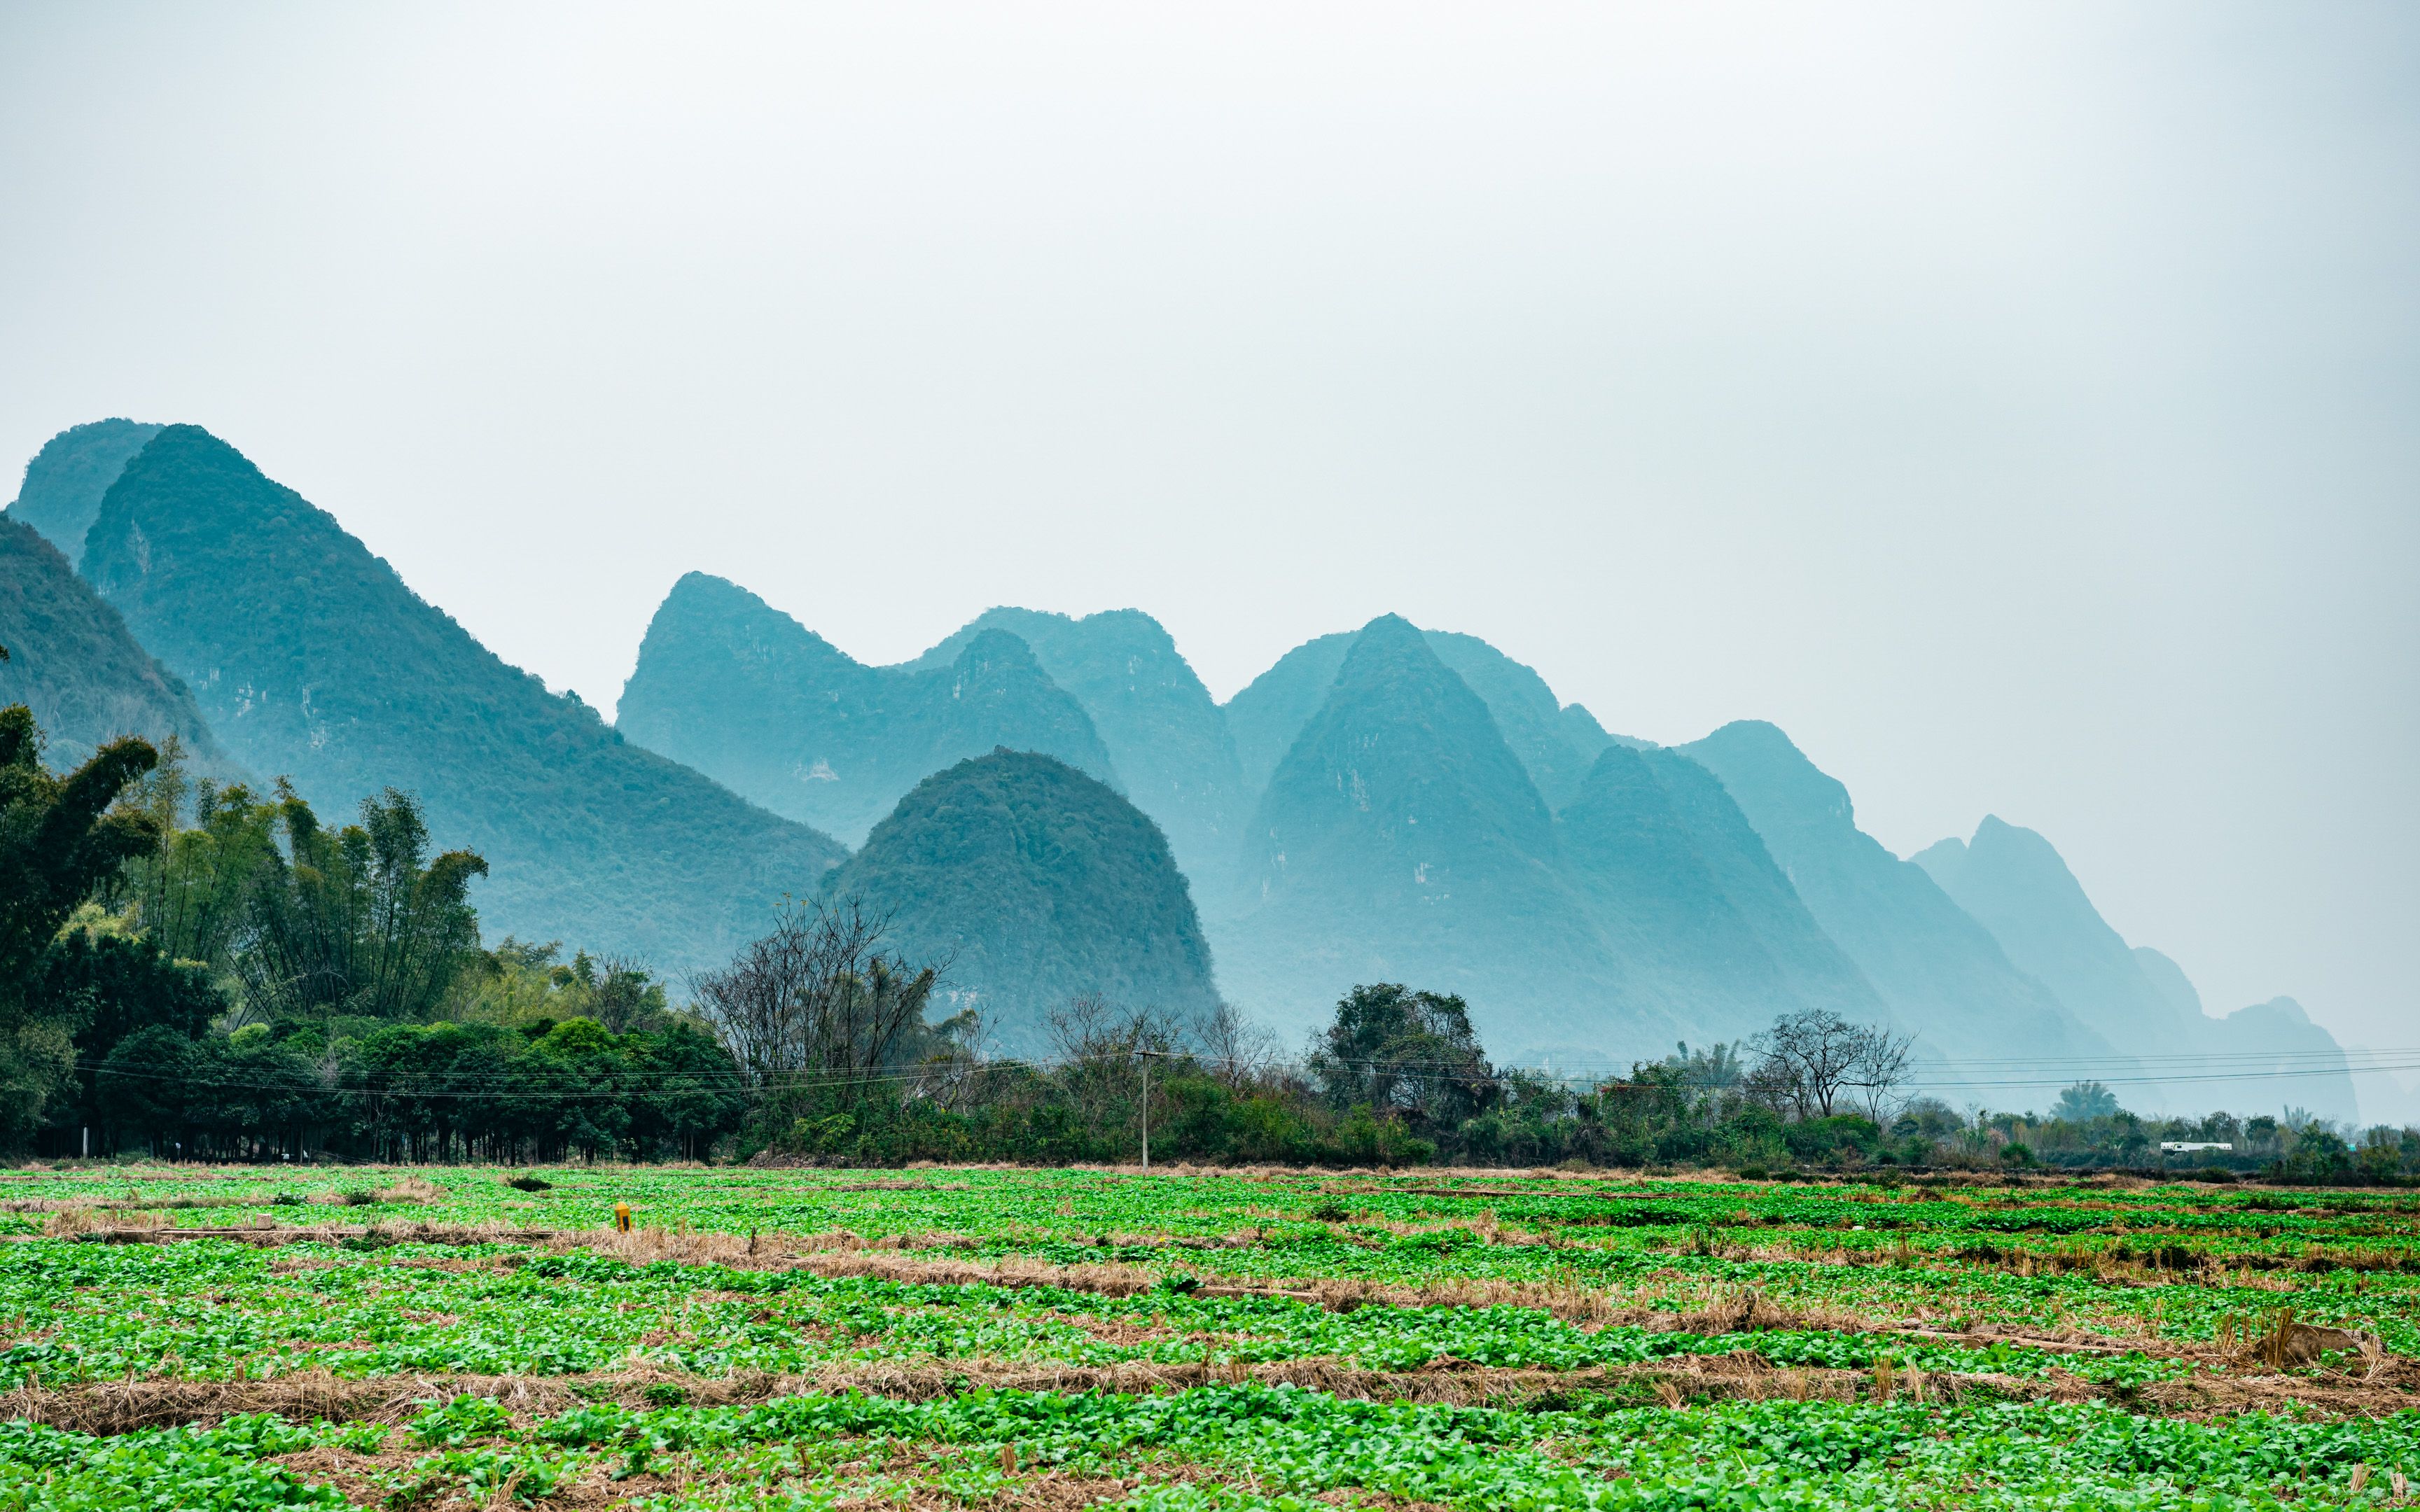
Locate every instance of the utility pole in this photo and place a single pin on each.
(1144, 1056)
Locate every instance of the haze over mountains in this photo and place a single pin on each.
(1059, 806)
(749, 696)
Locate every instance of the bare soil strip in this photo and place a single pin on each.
(123, 1406)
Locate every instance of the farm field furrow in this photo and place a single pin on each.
(983, 1338)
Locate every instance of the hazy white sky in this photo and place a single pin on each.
(2020, 405)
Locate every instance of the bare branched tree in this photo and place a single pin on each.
(1810, 1058)
(1094, 1042)
(1238, 1053)
(817, 1008)
(1881, 1070)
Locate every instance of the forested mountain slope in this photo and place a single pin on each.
(1400, 840)
(1037, 885)
(73, 661)
(748, 695)
(310, 658)
(1163, 730)
(1690, 903)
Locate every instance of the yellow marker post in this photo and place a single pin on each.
(622, 1217)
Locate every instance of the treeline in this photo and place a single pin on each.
(208, 972)
(199, 971)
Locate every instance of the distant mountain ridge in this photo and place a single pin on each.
(1400, 840)
(310, 658)
(1389, 803)
(2014, 883)
(749, 696)
(1556, 743)
(1163, 731)
(1939, 973)
(1687, 893)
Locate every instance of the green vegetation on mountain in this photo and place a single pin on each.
(1037, 885)
(1938, 971)
(1400, 840)
(1265, 718)
(748, 695)
(1690, 901)
(312, 659)
(1554, 743)
(67, 478)
(1163, 731)
(74, 664)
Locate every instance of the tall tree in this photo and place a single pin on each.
(190, 896)
(817, 1010)
(359, 920)
(1408, 1053)
(58, 840)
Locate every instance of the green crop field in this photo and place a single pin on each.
(199, 1337)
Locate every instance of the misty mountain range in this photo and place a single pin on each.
(1056, 805)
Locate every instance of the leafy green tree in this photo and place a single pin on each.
(58, 842)
(1406, 1054)
(192, 894)
(2085, 1102)
(101, 987)
(359, 920)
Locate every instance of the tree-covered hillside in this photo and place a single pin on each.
(311, 658)
(66, 478)
(73, 662)
(1691, 903)
(1038, 885)
(748, 695)
(1161, 727)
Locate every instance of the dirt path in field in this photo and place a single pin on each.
(117, 1407)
